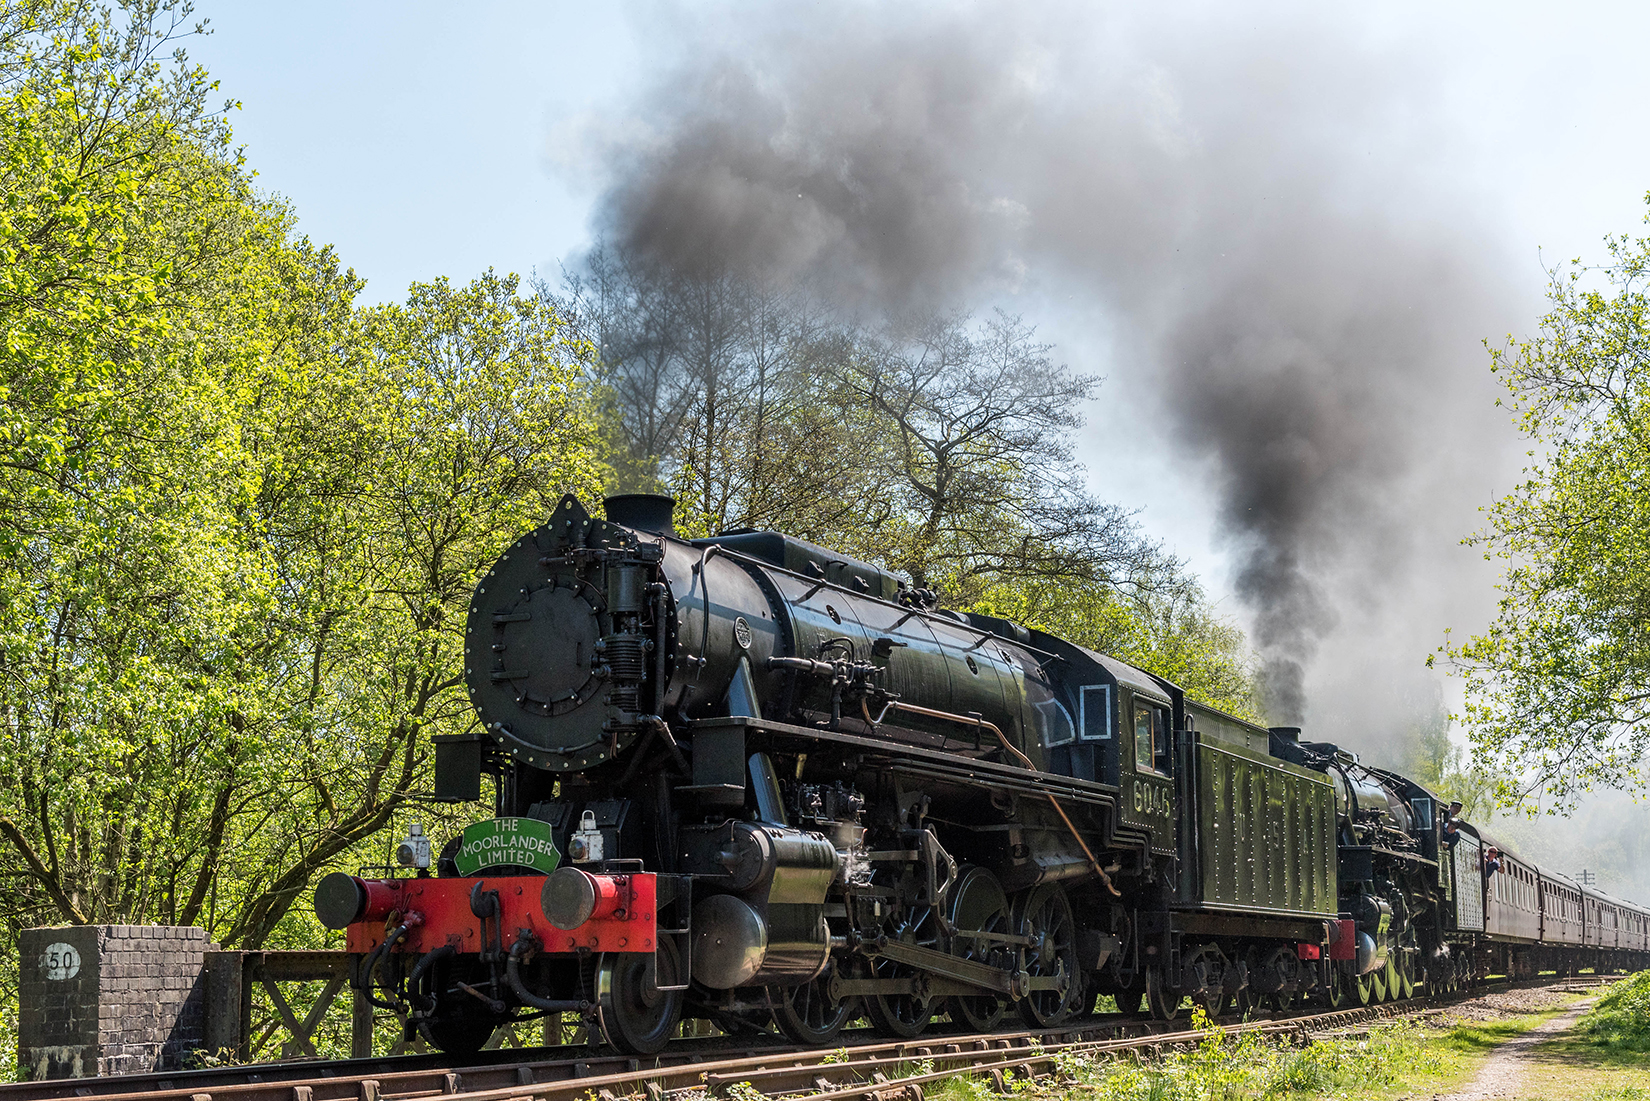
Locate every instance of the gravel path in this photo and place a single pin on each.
(1501, 1071)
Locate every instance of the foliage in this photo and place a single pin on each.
(939, 448)
(397, 473)
(1558, 688)
(1248, 1065)
(1170, 630)
(122, 215)
(240, 517)
(1621, 1019)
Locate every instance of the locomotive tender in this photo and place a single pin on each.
(749, 779)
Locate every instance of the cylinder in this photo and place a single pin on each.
(729, 941)
(735, 945)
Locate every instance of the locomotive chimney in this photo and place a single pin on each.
(1287, 733)
(642, 511)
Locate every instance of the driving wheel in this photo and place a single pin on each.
(978, 904)
(806, 1014)
(1378, 989)
(904, 1015)
(1337, 995)
(1045, 916)
(1365, 988)
(1406, 976)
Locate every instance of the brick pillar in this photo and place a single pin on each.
(110, 999)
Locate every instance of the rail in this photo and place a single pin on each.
(861, 1066)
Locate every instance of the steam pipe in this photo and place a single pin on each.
(425, 962)
(660, 629)
(370, 964)
(704, 594)
(979, 721)
(512, 972)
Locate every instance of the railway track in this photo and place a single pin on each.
(861, 1067)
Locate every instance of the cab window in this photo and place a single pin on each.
(1151, 738)
(1143, 737)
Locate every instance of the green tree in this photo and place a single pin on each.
(397, 469)
(1170, 629)
(1558, 687)
(241, 518)
(125, 223)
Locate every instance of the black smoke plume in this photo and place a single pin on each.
(1260, 208)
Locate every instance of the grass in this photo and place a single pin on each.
(1605, 1058)
(1620, 1023)
(1397, 1060)
(1229, 1067)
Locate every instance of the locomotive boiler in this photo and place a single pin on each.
(750, 779)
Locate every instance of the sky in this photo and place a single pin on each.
(422, 142)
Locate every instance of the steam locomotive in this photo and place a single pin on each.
(752, 780)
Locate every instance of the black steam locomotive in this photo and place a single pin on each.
(749, 779)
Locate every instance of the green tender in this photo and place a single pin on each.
(1266, 831)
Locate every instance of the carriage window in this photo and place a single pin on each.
(1095, 704)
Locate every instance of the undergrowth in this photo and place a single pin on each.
(1226, 1067)
(1621, 1019)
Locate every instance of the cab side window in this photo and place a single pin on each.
(1143, 756)
(1151, 738)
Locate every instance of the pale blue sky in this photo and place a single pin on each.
(417, 136)
(414, 136)
(423, 139)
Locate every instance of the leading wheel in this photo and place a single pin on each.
(636, 1016)
(1045, 916)
(459, 1035)
(805, 1012)
(979, 905)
